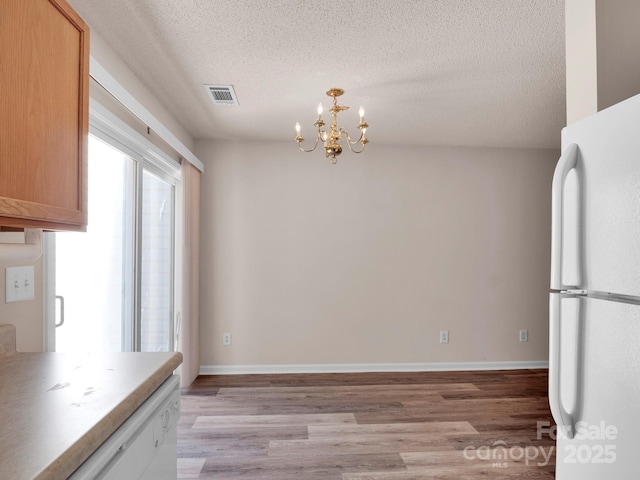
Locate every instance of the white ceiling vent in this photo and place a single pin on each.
(222, 94)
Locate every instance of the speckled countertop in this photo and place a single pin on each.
(57, 408)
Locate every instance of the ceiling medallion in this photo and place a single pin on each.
(332, 138)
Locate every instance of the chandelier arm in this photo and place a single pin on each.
(344, 133)
(310, 150)
(357, 151)
(351, 143)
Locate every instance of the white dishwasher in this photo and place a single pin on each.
(144, 447)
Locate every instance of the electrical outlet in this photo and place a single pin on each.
(19, 284)
(524, 335)
(444, 336)
(226, 339)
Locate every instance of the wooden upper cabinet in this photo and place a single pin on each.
(44, 115)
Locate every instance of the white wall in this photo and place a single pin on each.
(365, 261)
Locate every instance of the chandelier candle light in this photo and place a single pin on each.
(335, 135)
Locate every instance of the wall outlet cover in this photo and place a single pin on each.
(524, 336)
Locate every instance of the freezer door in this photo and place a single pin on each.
(603, 389)
(607, 195)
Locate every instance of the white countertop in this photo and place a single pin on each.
(57, 408)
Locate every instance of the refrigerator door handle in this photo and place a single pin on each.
(564, 420)
(567, 162)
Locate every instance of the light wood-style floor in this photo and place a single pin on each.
(395, 426)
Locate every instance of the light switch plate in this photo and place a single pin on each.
(19, 284)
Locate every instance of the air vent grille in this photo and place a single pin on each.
(222, 94)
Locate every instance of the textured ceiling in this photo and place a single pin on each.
(428, 72)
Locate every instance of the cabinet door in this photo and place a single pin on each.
(44, 100)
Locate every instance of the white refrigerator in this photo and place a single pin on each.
(594, 334)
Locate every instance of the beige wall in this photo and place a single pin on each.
(581, 59)
(602, 44)
(27, 316)
(618, 40)
(305, 262)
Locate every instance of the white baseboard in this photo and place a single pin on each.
(368, 367)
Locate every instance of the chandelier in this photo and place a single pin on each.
(332, 138)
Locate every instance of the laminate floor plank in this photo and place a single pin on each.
(391, 426)
(273, 420)
(210, 384)
(190, 467)
(497, 438)
(312, 465)
(496, 460)
(399, 415)
(360, 444)
(207, 405)
(217, 448)
(307, 403)
(398, 390)
(423, 428)
(514, 391)
(511, 422)
(314, 408)
(418, 415)
(502, 404)
(470, 473)
(251, 433)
